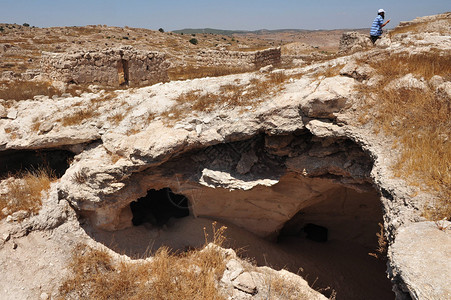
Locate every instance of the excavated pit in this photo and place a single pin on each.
(17, 161)
(277, 195)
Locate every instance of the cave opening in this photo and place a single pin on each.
(334, 241)
(158, 207)
(298, 202)
(18, 161)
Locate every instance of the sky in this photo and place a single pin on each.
(232, 15)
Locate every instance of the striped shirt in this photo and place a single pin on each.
(376, 28)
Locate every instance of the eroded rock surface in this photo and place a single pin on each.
(419, 247)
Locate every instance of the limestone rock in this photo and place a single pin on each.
(12, 114)
(436, 81)
(408, 82)
(212, 178)
(45, 127)
(3, 112)
(444, 90)
(353, 41)
(266, 69)
(420, 258)
(324, 129)
(356, 71)
(233, 269)
(331, 96)
(245, 283)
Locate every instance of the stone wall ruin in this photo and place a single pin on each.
(250, 60)
(109, 67)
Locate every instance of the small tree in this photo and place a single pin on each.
(161, 30)
(194, 41)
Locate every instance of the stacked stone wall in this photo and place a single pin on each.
(249, 60)
(110, 67)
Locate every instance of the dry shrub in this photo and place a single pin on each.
(381, 251)
(25, 194)
(190, 72)
(132, 131)
(278, 288)
(80, 176)
(330, 71)
(35, 125)
(420, 122)
(22, 90)
(116, 118)
(167, 275)
(78, 117)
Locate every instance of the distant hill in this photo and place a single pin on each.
(258, 32)
(209, 30)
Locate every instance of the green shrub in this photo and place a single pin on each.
(161, 30)
(26, 25)
(194, 41)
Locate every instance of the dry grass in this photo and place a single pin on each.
(434, 62)
(36, 125)
(80, 176)
(229, 95)
(420, 122)
(381, 251)
(22, 90)
(190, 72)
(417, 27)
(108, 96)
(78, 117)
(188, 275)
(116, 118)
(25, 194)
(330, 71)
(278, 288)
(132, 131)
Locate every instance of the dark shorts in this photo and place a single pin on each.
(374, 38)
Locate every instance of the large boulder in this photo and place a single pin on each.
(353, 41)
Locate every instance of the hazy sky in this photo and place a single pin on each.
(234, 14)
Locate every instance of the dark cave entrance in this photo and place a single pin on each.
(334, 242)
(158, 206)
(18, 161)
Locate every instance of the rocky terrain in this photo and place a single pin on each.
(296, 160)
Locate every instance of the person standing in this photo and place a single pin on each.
(376, 28)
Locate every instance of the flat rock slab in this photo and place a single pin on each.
(421, 256)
